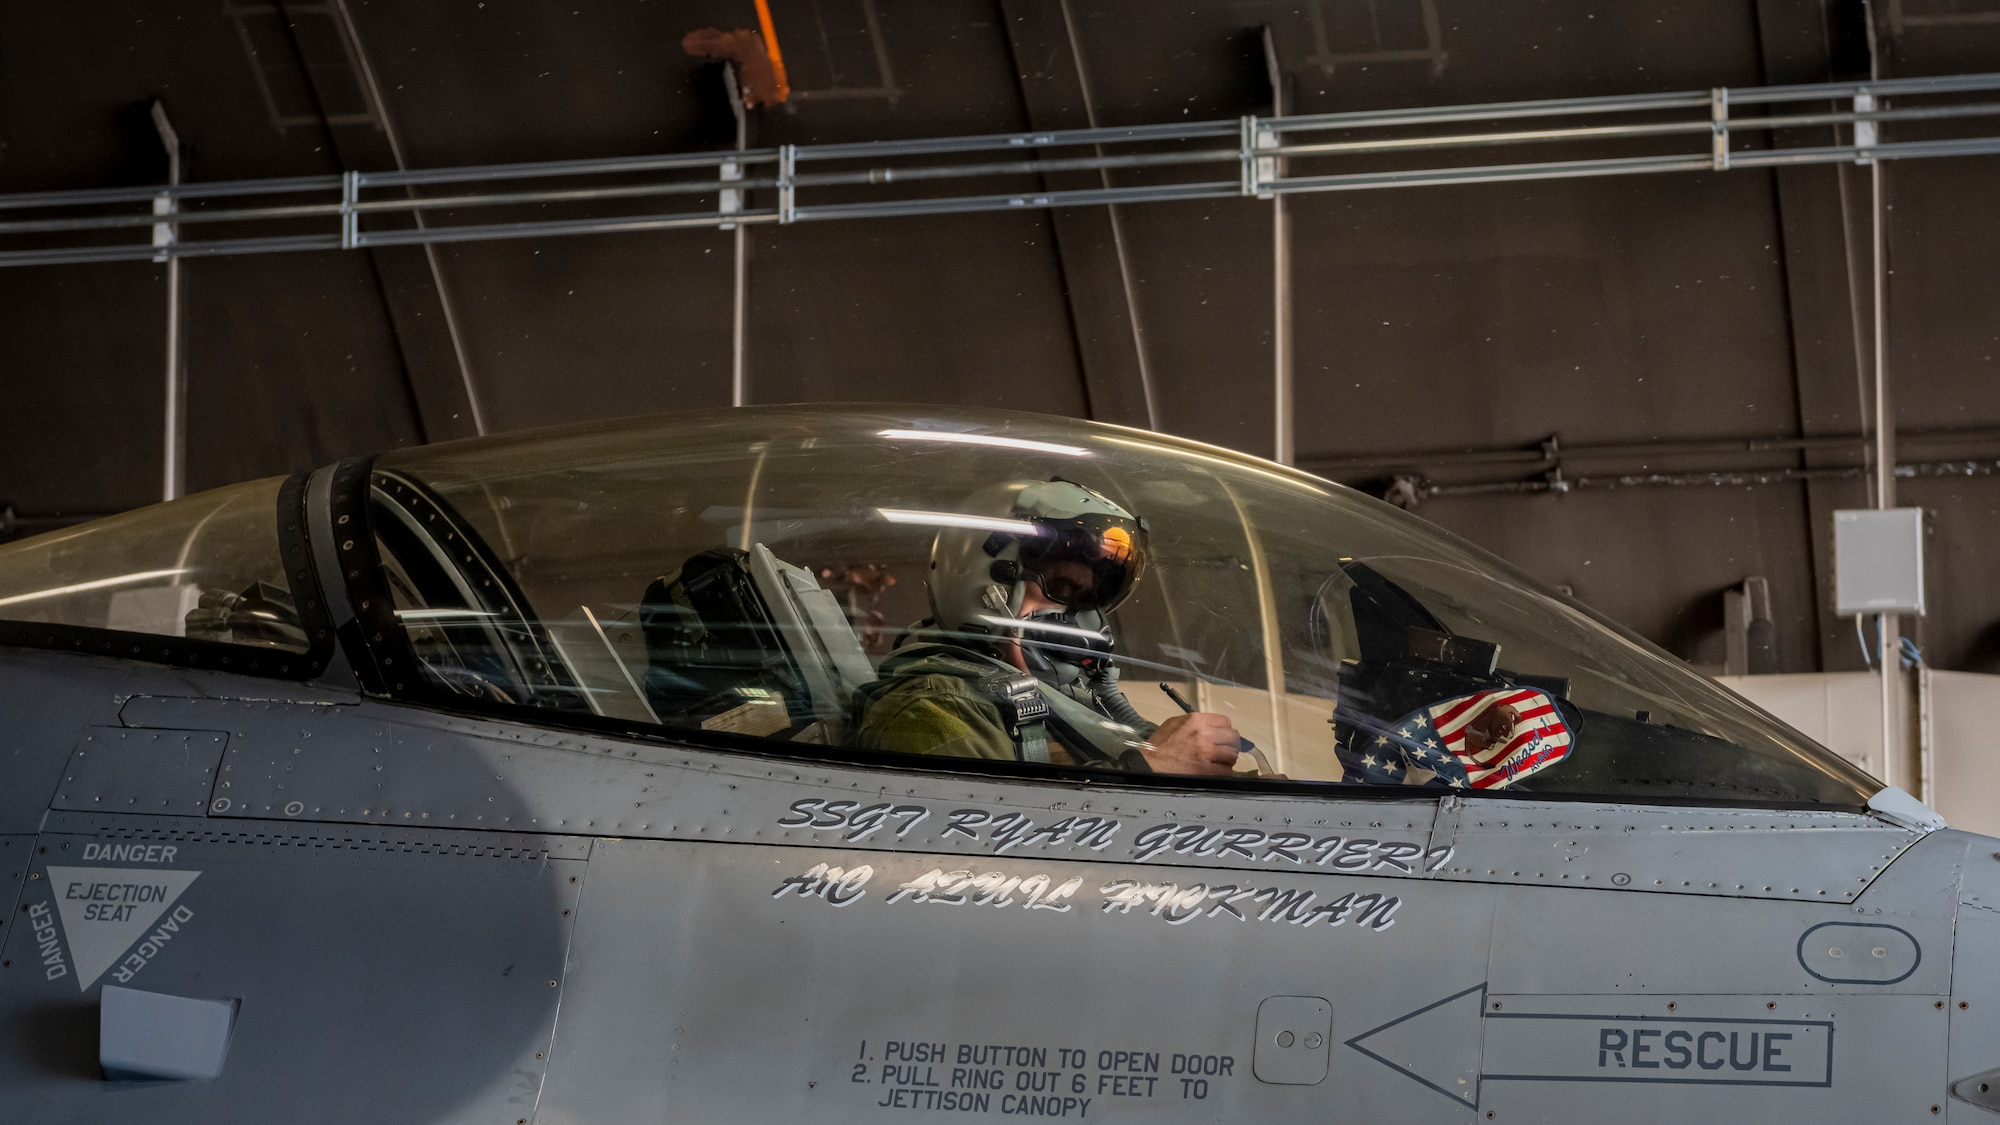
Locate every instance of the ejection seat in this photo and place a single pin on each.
(746, 643)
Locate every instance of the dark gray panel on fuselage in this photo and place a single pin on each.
(46, 700)
(49, 700)
(160, 772)
(15, 853)
(382, 973)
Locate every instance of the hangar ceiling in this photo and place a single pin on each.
(1719, 312)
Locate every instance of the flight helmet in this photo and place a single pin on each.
(1085, 551)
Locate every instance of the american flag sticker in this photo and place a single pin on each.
(1485, 740)
(1498, 737)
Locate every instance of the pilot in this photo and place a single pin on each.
(1014, 663)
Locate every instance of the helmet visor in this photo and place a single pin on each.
(1086, 562)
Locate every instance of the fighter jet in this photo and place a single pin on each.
(865, 764)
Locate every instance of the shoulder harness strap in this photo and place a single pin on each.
(1024, 713)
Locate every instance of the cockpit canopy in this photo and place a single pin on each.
(747, 573)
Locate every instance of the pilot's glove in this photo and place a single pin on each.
(1202, 743)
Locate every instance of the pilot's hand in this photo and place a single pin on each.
(1200, 743)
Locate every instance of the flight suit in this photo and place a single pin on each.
(951, 701)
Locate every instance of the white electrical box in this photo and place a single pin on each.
(1878, 561)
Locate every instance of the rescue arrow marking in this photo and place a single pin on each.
(1422, 1043)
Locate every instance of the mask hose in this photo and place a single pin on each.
(1112, 701)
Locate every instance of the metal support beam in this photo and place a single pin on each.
(1825, 282)
(1901, 765)
(1210, 157)
(1283, 446)
(1842, 449)
(173, 474)
(1837, 285)
(1885, 414)
(729, 202)
(739, 320)
(1090, 241)
(1898, 768)
(435, 361)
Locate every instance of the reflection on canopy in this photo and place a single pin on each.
(768, 571)
(205, 568)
